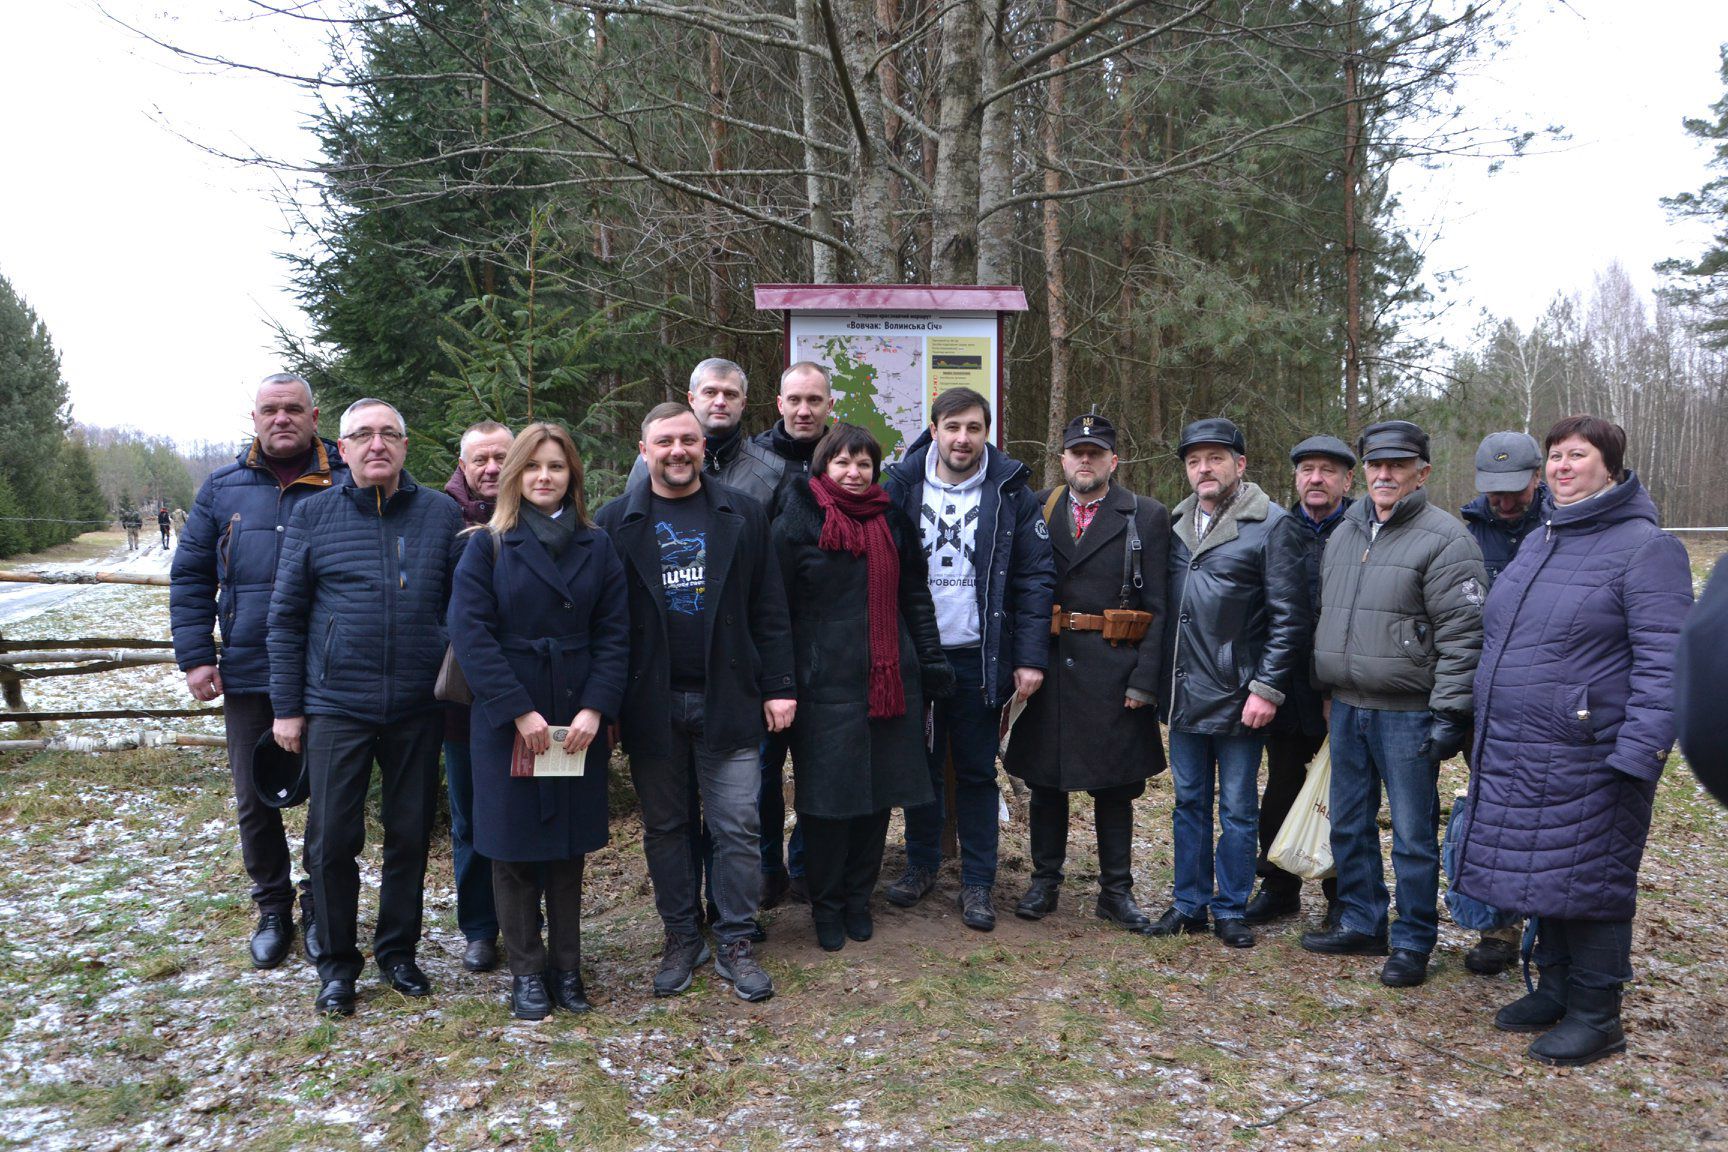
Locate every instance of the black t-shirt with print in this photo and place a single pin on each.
(681, 527)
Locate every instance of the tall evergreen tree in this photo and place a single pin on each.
(1702, 283)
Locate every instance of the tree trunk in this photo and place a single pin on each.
(1352, 254)
(1055, 281)
(872, 196)
(996, 167)
(719, 299)
(954, 195)
(822, 257)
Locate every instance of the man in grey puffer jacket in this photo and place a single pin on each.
(1401, 592)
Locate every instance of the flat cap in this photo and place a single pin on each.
(1324, 446)
(279, 776)
(1392, 440)
(1507, 462)
(1215, 430)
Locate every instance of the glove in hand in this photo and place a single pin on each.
(1447, 734)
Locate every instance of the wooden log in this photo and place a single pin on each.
(88, 642)
(12, 695)
(109, 714)
(114, 742)
(157, 579)
(73, 655)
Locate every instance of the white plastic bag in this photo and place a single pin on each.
(1303, 846)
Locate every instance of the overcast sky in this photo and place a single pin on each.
(155, 265)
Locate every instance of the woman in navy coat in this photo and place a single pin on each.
(1574, 720)
(540, 626)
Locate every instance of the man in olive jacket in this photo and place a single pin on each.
(1401, 592)
(1239, 602)
(1094, 725)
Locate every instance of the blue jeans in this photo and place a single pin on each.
(1197, 761)
(777, 857)
(475, 913)
(726, 783)
(1372, 747)
(966, 728)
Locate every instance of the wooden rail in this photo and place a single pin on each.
(156, 579)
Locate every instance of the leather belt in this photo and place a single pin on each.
(1074, 622)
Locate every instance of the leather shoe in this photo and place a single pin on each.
(271, 939)
(407, 979)
(336, 998)
(1491, 956)
(1267, 906)
(567, 990)
(1119, 908)
(1344, 942)
(1234, 932)
(309, 940)
(528, 999)
(977, 911)
(912, 887)
(1173, 923)
(1404, 969)
(1039, 901)
(480, 955)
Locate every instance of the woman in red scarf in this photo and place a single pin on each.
(868, 655)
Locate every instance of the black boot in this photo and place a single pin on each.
(1047, 832)
(1589, 1031)
(1114, 820)
(1541, 1009)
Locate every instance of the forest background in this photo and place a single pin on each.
(544, 208)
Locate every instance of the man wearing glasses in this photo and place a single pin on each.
(356, 635)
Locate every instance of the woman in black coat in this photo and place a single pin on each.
(867, 654)
(540, 625)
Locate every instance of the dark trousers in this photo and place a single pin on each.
(1599, 952)
(263, 843)
(339, 757)
(1287, 758)
(1112, 817)
(842, 859)
(518, 889)
(772, 806)
(475, 914)
(724, 785)
(966, 727)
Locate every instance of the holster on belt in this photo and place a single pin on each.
(1118, 625)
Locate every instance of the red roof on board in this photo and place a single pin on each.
(890, 298)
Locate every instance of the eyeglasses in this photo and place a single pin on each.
(363, 436)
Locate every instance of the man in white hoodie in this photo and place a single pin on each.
(992, 577)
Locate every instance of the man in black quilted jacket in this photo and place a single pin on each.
(355, 638)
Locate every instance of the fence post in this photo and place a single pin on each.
(12, 691)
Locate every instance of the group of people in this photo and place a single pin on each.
(752, 598)
(169, 524)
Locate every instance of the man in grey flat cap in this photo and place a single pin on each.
(1507, 509)
(1325, 468)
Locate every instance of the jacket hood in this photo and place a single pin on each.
(1627, 500)
(1000, 469)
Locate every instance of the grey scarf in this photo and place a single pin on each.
(555, 532)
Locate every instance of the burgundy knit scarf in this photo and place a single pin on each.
(856, 524)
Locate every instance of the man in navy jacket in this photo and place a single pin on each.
(357, 633)
(992, 577)
(223, 572)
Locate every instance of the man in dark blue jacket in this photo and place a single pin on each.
(223, 571)
(357, 633)
(1507, 509)
(992, 577)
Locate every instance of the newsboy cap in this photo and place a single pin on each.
(278, 775)
(1324, 446)
(1507, 462)
(1090, 428)
(1215, 430)
(1392, 440)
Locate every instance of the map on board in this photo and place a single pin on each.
(878, 383)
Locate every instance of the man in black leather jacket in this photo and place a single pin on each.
(1239, 623)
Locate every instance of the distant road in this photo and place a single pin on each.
(22, 601)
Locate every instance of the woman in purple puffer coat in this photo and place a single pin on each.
(1574, 720)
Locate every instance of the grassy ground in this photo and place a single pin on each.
(89, 546)
(130, 1017)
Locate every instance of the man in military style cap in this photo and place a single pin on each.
(1094, 727)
